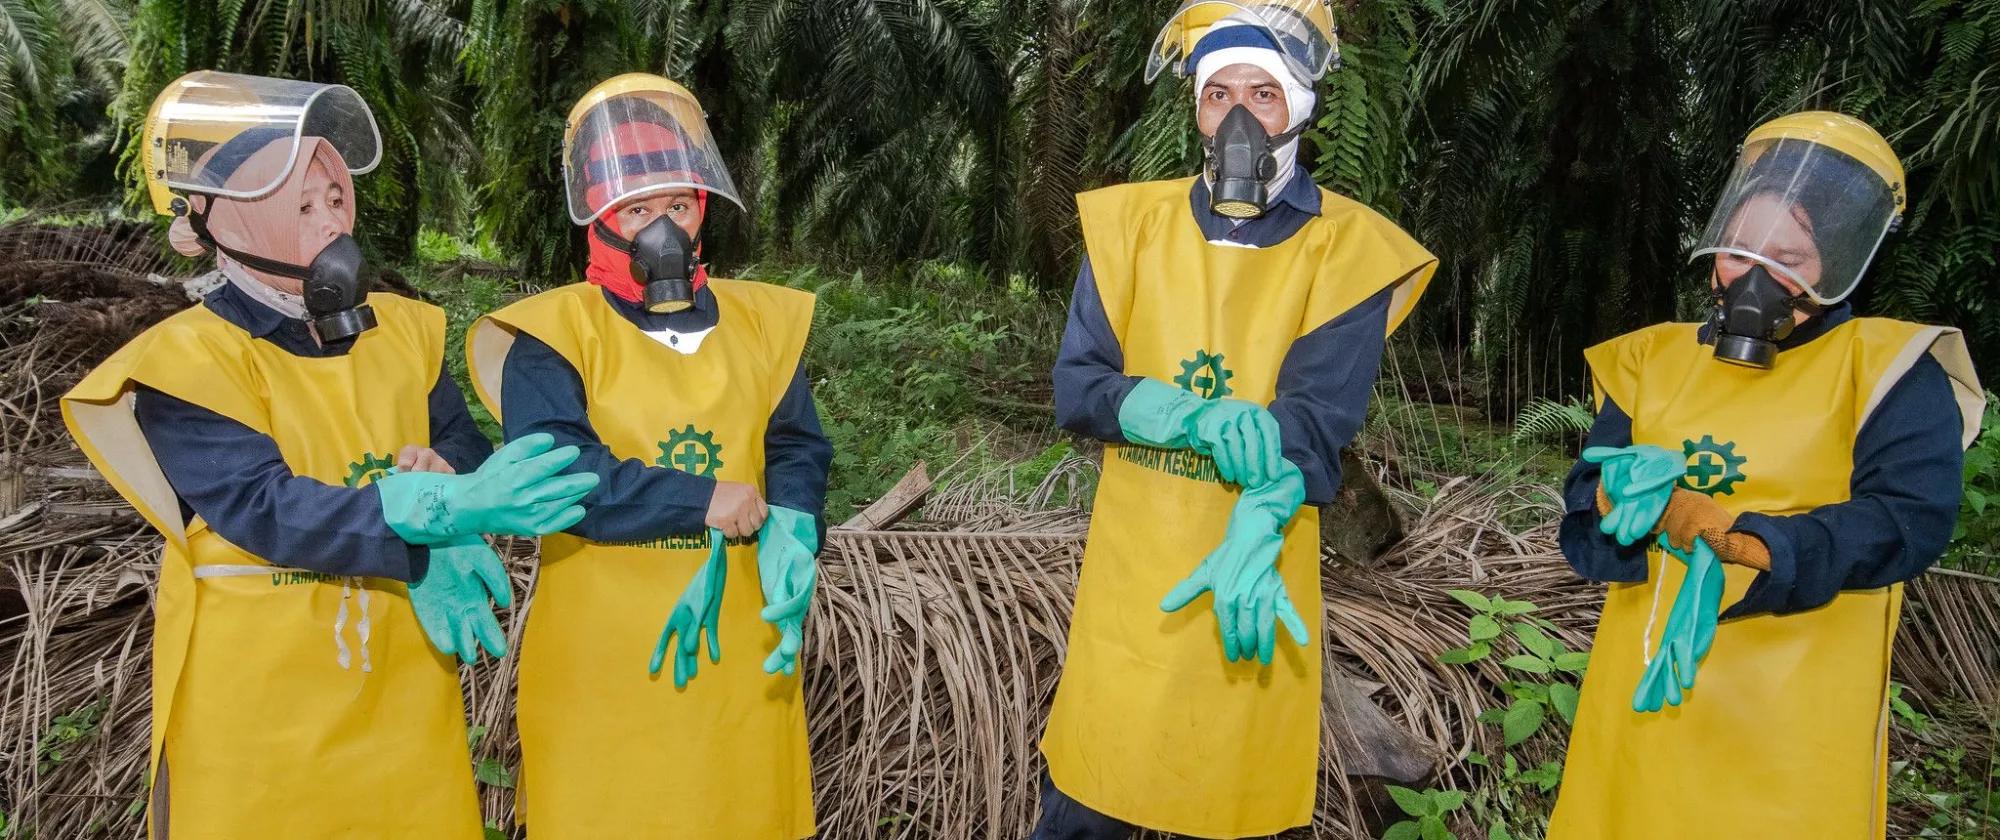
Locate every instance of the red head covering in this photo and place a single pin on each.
(609, 266)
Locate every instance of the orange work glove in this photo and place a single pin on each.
(1690, 514)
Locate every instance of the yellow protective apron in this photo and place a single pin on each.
(608, 750)
(1783, 735)
(1151, 724)
(286, 703)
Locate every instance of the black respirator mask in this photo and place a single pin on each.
(1242, 158)
(1752, 315)
(663, 262)
(336, 292)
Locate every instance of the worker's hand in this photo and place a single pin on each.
(416, 458)
(736, 509)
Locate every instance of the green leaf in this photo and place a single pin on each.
(1448, 801)
(1498, 832)
(1513, 608)
(1471, 599)
(1432, 828)
(1492, 716)
(1575, 662)
(1523, 718)
(1405, 830)
(1564, 697)
(1482, 627)
(1413, 803)
(1465, 655)
(494, 832)
(1530, 664)
(473, 736)
(1535, 641)
(490, 771)
(1477, 757)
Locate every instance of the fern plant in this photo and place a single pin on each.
(1544, 418)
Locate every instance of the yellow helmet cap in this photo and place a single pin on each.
(635, 135)
(1844, 134)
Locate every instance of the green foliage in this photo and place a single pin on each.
(465, 295)
(920, 366)
(1428, 812)
(1543, 418)
(59, 66)
(1363, 133)
(1975, 545)
(1545, 686)
(69, 730)
(1958, 793)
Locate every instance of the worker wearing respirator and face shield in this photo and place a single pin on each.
(687, 395)
(320, 484)
(1818, 457)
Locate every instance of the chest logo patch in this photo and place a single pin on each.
(367, 470)
(1204, 376)
(1712, 468)
(691, 452)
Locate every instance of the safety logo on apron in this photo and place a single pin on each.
(692, 452)
(1712, 468)
(1204, 376)
(367, 470)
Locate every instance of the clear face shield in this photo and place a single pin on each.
(1804, 212)
(205, 124)
(638, 135)
(1303, 30)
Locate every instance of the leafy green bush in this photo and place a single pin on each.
(936, 363)
(1975, 544)
(1516, 792)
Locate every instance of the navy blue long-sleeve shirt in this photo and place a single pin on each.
(237, 481)
(1904, 496)
(636, 500)
(1324, 382)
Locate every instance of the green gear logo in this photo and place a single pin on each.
(1712, 468)
(691, 452)
(367, 470)
(1204, 376)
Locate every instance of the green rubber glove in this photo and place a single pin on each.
(1250, 597)
(451, 599)
(787, 567)
(1241, 436)
(698, 611)
(1637, 480)
(1689, 633)
(519, 491)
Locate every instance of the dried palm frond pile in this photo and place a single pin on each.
(934, 648)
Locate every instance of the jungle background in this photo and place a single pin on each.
(915, 161)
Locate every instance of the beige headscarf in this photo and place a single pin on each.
(268, 226)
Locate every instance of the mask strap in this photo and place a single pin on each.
(612, 238)
(198, 222)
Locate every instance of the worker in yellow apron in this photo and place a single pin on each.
(1819, 457)
(297, 442)
(687, 395)
(1223, 340)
